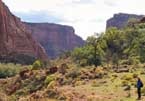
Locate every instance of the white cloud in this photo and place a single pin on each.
(86, 16)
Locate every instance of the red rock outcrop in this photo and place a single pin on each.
(15, 38)
(55, 38)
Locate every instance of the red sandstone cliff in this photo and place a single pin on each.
(15, 38)
(55, 38)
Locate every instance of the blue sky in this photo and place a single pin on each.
(86, 16)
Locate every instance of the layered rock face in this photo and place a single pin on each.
(15, 38)
(120, 20)
(55, 38)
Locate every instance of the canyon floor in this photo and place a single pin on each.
(76, 84)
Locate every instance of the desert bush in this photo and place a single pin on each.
(22, 92)
(95, 84)
(134, 60)
(17, 59)
(11, 98)
(113, 79)
(24, 59)
(68, 81)
(78, 83)
(8, 70)
(32, 85)
(52, 85)
(114, 75)
(124, 62)
(124, 83)
(130, 61)
(35, 87)
(143, 91)
(48, 79)
(73, 73)
(62, 68)
(100, 70)
(127, 77)
(37, 64)
(142, 72)
(135, 75)
(100, 73)
(62, 98)
(83, 62)
(133, 82)
(51, 93)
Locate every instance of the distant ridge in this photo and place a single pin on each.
(55, 38)
(120, 20)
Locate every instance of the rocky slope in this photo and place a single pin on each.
(55, 38)
(120, 20)
(15, 38)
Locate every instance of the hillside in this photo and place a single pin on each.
(55, 38)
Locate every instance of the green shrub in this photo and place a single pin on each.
(127, 77)
(35, 87)
(48, 79)
(22, 92)
(37, 64)
(113, 79)
(115, 75)
(8, 70)
(73, 73)
(134, 60)
(124, 62)
(51, 85)
(17, 59)
(68, 81)
(124, 83)
(143, 91)
(51, 93)
(83, 62)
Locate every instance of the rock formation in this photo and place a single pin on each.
(120, 20)
(15, 38)
(55, 38)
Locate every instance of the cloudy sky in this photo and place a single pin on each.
(86, 16)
